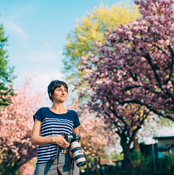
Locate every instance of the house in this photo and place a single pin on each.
(109, 165)
(108, 161)
(165, 144)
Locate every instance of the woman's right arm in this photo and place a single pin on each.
(36, 139)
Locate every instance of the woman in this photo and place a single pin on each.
(50, 124)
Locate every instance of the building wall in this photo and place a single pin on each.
(165, 143)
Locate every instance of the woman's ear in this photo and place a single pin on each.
(51, 95)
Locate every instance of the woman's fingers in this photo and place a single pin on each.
(65, 144)
(59, 140)
(71, 154)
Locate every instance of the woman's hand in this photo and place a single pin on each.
(60, 141)
(71, 154)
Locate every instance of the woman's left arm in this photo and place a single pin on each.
(77, 130)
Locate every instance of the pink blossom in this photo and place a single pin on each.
(161, 42)
(136, 2)
(162, 19)
(79, 68)
(97, 44)
(106, 34)
(85, 62)
(119, 30)
(83, 58)
(92, 55)
(167, 42)
(95, 60)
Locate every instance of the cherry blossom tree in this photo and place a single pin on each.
(28, 168)
(123, 120)
(143, 52)
(16, 126)
(95, 137)
(95, 134)
(133, 74)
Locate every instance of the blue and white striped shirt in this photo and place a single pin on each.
(54, 125)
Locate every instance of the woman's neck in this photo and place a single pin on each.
(58, 108)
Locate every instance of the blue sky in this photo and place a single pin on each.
(37, 34)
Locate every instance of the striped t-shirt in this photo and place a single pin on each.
(54, 125)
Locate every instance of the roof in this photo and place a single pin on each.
(164, 138)
(107, 161)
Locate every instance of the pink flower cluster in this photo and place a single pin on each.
(16, 124)
(28, 168)
(95, 134)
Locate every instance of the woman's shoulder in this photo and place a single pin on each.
(43, 109)
(73, 112)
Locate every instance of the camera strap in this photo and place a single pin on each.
(71, 170)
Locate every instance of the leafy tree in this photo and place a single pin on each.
(80, 41)
(15, 128)
(116, 155)
(6, 76)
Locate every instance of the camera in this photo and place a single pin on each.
(76, 149)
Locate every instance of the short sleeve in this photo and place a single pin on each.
(76, 120)
(38, 115)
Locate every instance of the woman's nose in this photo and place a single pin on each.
(63, 91)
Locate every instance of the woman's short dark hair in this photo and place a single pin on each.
(53, 85)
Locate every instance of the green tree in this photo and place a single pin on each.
(91, 28)
(6, 71)
(116, 155)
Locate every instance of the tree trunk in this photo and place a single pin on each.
(87, 170)
(136, 150)
(96, 167)
(101, 172)
(127, 157)
(136, 146)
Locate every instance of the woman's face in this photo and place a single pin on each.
(60, 94)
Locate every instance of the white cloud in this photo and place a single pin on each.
(43, 79)
(17, 29)
(46, 66)
(41, 56)
(37, 56)
(23, 11)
